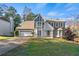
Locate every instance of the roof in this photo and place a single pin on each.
(60, 29)
(3, 18)
(27, 25)
(55, 20)
(38, 15)
(48, 25)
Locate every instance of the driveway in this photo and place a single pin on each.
(7, 45)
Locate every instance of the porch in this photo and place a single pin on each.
(54, 33)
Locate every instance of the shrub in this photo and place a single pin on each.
(16, 33)
(69, 35)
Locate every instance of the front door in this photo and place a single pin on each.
(60, 33)
(39, 33)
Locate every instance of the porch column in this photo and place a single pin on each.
(35, 33)
(61, 33)
(58, 35)
(19, 32)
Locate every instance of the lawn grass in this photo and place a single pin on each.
(45, 47)
(4, 37)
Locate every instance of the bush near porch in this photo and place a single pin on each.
(46, 47)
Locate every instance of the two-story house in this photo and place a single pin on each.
(42, 28)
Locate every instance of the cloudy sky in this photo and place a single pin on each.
(50, 10)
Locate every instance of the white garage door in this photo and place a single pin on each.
(26, 34)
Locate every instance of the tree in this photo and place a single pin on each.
(3, 9)
(30, 16)
(26, 11)
(17, 20)
(11, 12)
(73, 23)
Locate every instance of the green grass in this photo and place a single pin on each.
(45, 47)
(4, 37)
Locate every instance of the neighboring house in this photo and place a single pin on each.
(41, 28)
(6, 26)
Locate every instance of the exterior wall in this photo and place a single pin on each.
(47, 27)
(56, 29)
(39, 25)
(5, 28)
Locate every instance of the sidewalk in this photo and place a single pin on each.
(7, 45)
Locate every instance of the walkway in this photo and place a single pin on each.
(7, 45)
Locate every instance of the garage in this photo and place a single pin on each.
(26, 33)
(26, 28)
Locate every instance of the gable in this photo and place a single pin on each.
(39, 18)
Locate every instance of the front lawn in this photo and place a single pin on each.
(45, 47)
(4, 37)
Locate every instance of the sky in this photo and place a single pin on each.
(49, 10)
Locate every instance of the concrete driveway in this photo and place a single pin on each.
(7, 45)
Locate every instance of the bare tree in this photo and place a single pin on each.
(74, 22)
(26, 11)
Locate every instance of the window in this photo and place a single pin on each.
(52, 24)
(56, 24)
(39, 23)
(60, 33)
(61, 24)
